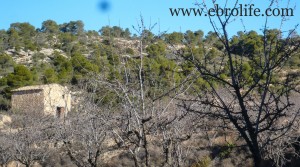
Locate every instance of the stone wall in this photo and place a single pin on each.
(28, 100)
(56, 96)
(44, 98)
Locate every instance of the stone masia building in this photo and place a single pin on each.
(51, 99)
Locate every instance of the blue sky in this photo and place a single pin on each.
(126, 13)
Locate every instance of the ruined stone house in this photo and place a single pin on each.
(52, 99)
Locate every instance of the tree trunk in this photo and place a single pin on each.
(256, 156)
(257, 160)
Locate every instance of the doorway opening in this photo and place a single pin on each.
(60, 112)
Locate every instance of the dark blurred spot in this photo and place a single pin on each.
(104, 5)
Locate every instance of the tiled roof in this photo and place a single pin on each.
(35, 87)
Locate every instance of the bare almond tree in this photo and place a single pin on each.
(5, 152)
(146, 128)
(30, 137)
(82, 135)
(259, 105)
